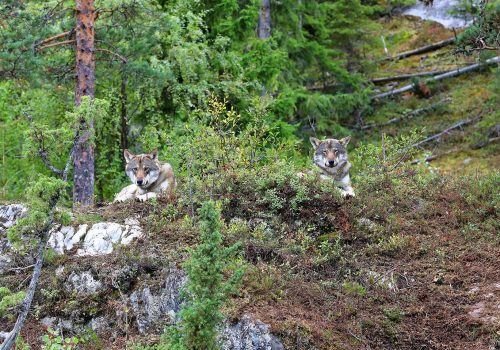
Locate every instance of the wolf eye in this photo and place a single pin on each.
(146, 170)
(135, 169)
(336, 151)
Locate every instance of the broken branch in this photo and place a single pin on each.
(406, 116)
(405, 77)
(423, 49)
(446, 131)
(10, 337)
(55, 37)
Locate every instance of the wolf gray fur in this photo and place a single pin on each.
(149, 177)
(330, 155)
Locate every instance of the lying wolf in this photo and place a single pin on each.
(330, 156)
(149, 177)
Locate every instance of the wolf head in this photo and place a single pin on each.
(329, 153)
(142, 169)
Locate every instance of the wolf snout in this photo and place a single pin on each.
(140, 182)
(332, 163)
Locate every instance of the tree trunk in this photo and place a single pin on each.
(264, 27)
(452, 73)
(83, 177)
(123, 109)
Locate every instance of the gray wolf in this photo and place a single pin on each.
(330, 155)
(149, 177)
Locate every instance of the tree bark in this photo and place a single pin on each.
(83, 177)
(452, 73)
(423, 49)
(123, 109)
(264, 27)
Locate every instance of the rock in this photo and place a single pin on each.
(9, 214)
(98, 240)
(248, 335)
(83, 283)
(149, 309)
(467, 161)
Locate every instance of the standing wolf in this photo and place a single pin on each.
(149, 177)
(330, 155)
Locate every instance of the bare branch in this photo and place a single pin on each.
(123, 59)
(10, 337)
(65, 42)
(55, 37)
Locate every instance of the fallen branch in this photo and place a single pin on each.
(405, 77)
(445, 131)
(423, 49)
(10, 337)
(406, 116)
(433, 157)
(486, 143)
(452, 73)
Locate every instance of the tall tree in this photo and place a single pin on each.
(83, 173)
(264, 27)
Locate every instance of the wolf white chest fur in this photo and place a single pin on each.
(149, 177)
(330, 155)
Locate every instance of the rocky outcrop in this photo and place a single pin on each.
(152, 310)
(98, 240)
(149, 307)
(248, 334)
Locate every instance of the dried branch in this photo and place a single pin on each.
(55, 37)
(10, 338)
(65, 42)
(457, 125)
(123, 59)
(423, 49)
(406, 116)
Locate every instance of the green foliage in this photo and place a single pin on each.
(9, 300)
(213, 275)
(54, 341)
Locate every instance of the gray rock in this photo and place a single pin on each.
(248, 334)
(9, 214)
(83, 283)
(150, 308)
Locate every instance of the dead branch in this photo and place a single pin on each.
(450, 74)
(123, 59)
(433, 157)
(486, 143)
(406, 116)
(405, 77)
(423, 49)
(56, 44)
(55, 37)
(10, 338)
(446, 131)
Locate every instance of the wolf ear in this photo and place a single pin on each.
(345, 141)
(154, 154)
(128, 156)
(315, 142)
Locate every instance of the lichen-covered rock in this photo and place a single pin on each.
(248, 334)
(9, 214)
(150, 308)
(83, 283)
(98, 240)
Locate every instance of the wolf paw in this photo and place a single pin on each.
(146, 196)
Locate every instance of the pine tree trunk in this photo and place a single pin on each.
(83, 177)
(264, 27)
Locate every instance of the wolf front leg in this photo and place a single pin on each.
(126, 194)
(146, 196)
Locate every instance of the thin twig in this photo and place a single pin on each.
(56, 44)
